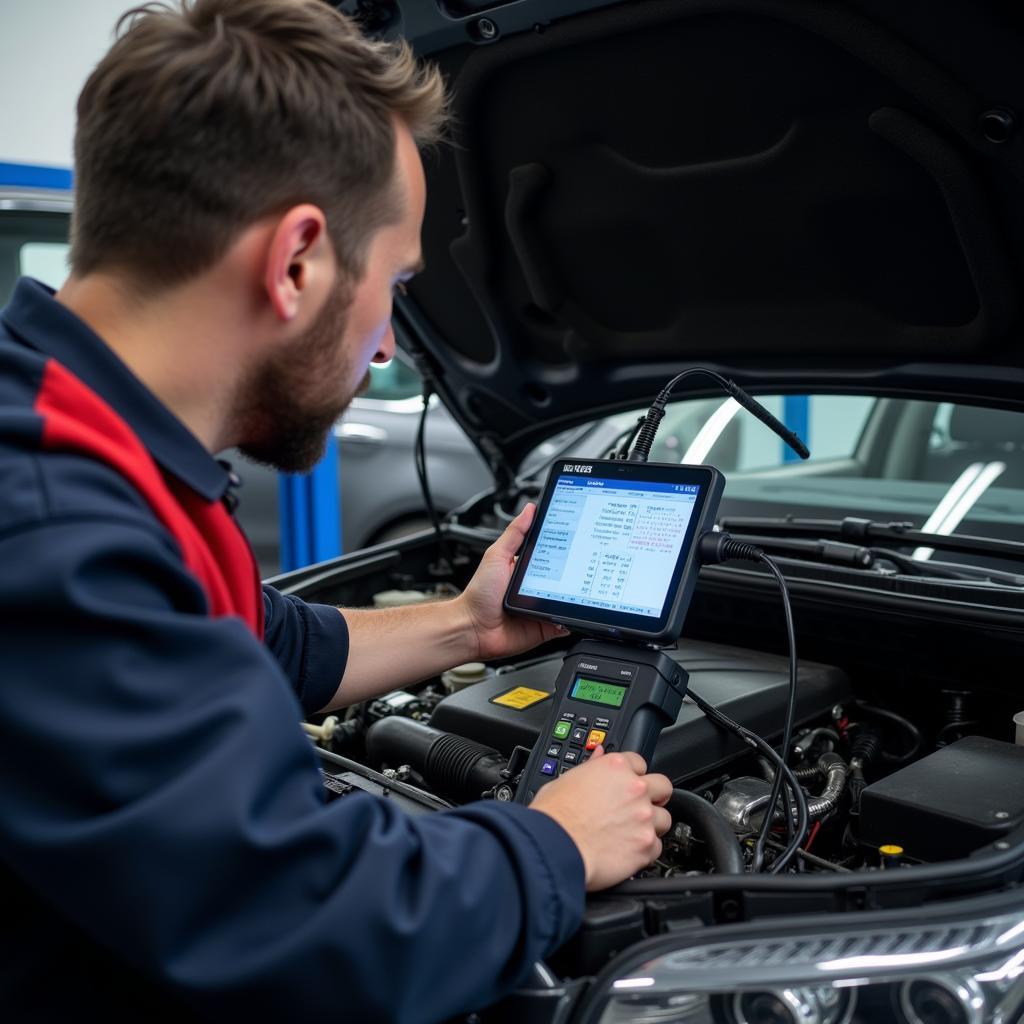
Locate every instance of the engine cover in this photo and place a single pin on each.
(950, 803)
(749, 686)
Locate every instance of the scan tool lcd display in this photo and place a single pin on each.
(611, 549)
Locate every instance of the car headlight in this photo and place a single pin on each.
(943, 971)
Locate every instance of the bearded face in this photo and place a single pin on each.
(293, 399)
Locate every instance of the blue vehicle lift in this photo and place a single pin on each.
(796, 414)
(310, 513)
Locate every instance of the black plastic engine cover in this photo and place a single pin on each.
(749, 686)
(950, 803)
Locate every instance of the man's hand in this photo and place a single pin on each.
(391, 647)
(497, 634)
(613, 812)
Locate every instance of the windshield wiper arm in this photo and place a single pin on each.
(853, 530)
(946, 570)
(856, 556)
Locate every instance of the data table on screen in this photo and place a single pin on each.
(610, 544)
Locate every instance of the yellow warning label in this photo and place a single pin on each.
(520, 697)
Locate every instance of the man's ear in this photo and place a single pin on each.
(300, 264)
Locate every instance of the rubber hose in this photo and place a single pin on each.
(705, 819)
(457, 766)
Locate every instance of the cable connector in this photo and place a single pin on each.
(717, 547)
(645, 439)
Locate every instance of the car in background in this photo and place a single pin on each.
(940, 467)
(379, 489)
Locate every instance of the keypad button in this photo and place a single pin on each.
(564, 768)
(585, 757)
(602, 723)
(568, 715)
(579, 736)
(548, 766)
(562, 730)
(596, 736)
(583, 720)
(571, 756)
(554, 750)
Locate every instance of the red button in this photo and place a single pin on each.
(596, 736)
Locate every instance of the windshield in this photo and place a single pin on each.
(945, 468)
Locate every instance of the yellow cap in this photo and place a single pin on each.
(891, 850)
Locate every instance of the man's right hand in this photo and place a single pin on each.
(613, 812)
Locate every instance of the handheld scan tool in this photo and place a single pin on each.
(612, 554)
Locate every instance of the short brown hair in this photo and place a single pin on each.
(205, 118)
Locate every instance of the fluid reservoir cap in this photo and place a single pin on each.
(465, 675)
(891, 855)
(471, 672)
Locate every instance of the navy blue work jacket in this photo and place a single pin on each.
(165, 847)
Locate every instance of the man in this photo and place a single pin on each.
(249, 193)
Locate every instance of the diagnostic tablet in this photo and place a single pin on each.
(612, 550)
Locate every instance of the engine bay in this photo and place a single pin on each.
(911, 778)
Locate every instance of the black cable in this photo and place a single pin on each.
(642, 449)
(420, 458)
(907, 726)
(627, 437)
(721, 719)
(720, 547)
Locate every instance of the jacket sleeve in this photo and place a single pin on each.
(310, 643)
(167, 802)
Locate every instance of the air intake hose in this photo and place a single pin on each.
(455, 766)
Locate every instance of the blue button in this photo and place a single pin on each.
(548, 766)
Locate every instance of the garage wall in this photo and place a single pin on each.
(47, 49)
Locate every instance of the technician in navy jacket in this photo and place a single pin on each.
(249, 194)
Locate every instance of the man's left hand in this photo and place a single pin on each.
(498, 634)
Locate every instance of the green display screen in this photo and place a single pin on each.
(598, 693)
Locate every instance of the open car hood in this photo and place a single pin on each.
(799, 194)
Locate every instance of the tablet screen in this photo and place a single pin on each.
(612, 543)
